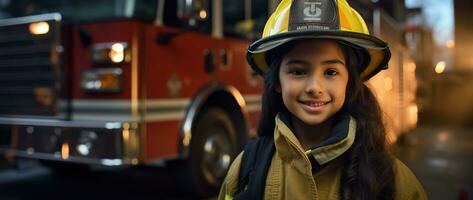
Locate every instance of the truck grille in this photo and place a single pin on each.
(30, 66)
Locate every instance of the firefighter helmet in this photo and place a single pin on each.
(319, 19)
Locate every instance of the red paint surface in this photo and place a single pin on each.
(183, 57)
(161, 140)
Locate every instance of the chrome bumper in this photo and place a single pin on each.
(103, 143)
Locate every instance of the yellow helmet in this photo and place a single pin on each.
(319, 19)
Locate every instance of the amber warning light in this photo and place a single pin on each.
(39, 28)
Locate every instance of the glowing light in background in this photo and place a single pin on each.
(411, 66)
(413, 113)
(413, 110)
(440, 67)
(450, 44)
(65, 151)
(442, 136)
(203, 14)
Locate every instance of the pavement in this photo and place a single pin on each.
(442, 160)
(31, 180)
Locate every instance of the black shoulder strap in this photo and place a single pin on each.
(254, 168)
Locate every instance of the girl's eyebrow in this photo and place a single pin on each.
(297, 61)
(334, 61)
(303, 62)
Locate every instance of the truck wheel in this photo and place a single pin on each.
(213, 148)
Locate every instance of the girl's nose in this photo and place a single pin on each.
(315, 85)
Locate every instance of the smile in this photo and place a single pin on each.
(314, 107)
(315, 103)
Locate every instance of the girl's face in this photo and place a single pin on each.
(313, 80)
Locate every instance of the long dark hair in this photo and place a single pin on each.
(368, 165)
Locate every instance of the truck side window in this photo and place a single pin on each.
(145, 10)
(259, 13)
(236, 24)
(233, 15)
(170, 14)
(201, 22)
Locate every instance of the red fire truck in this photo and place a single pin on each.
(151, 82)
(125, 82)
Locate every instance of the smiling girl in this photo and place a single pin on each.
(324, 124)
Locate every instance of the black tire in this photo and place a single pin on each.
(213, 147)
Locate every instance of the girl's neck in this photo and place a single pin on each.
(311, 135)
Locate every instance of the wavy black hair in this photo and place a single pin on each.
(368, 165)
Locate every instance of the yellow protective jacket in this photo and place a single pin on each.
(290, 174)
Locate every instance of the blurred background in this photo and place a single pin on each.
(153, 98)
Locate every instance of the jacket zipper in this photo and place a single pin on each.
(307, 161)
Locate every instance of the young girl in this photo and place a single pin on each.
(329, 138)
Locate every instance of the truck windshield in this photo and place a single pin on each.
(81, 10)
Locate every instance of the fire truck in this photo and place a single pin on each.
(125, 82)
(149, 82)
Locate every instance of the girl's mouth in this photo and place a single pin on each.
(314, 106)
(315, 103)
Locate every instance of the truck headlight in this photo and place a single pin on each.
(39, 28)
(102, 80)
(112, 52)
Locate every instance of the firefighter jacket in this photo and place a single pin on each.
(291, 175)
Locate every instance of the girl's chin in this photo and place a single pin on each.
(314, 121)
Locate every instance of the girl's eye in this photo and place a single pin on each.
(297, 72)
(331, 72)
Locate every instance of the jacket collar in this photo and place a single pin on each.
(339, 141)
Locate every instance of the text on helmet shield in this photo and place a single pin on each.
(314, 15)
